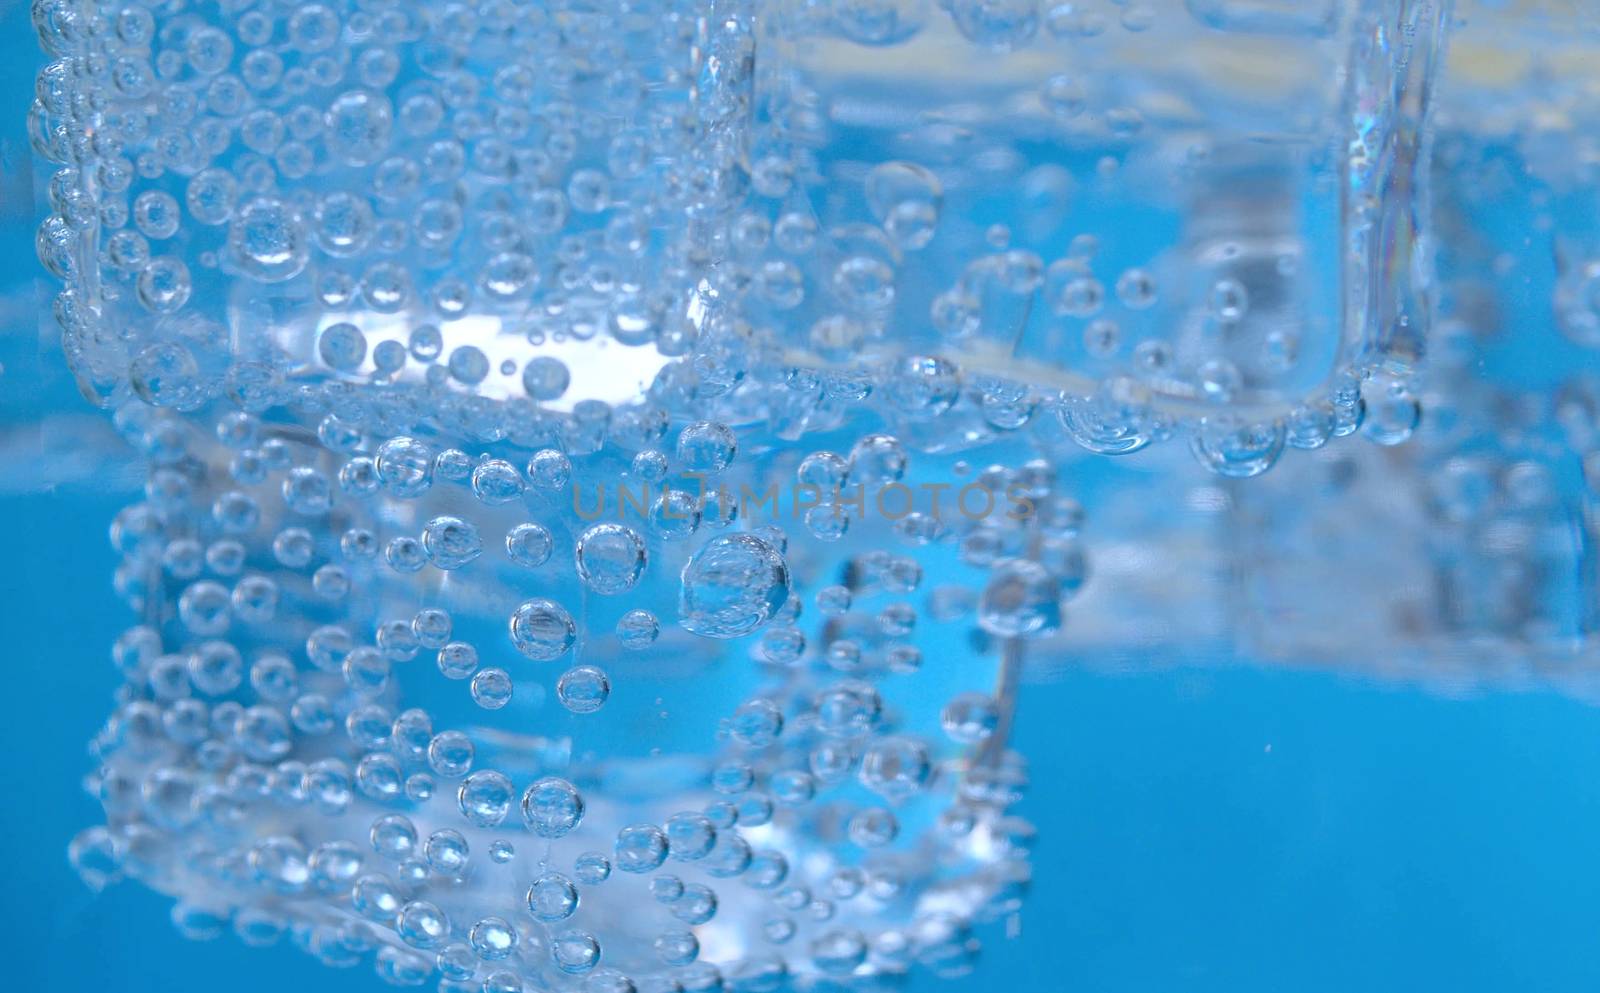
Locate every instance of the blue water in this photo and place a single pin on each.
(1228, 829)
(1232, 828)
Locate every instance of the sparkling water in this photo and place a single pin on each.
(609, 463)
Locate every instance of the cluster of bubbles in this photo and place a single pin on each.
(1508, 467)
(387, 201)
(1464, 557)
(279, 763)
(541, 481)
(1225, 339)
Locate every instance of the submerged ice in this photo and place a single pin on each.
(536, 581)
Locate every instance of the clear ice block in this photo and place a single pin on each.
(1207, 210)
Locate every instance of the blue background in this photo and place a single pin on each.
(1221, 829)
(1388, 840)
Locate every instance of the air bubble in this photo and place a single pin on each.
(732, 586)
(484, 799)
(542, 629)
(610, 558)
(583, 689)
